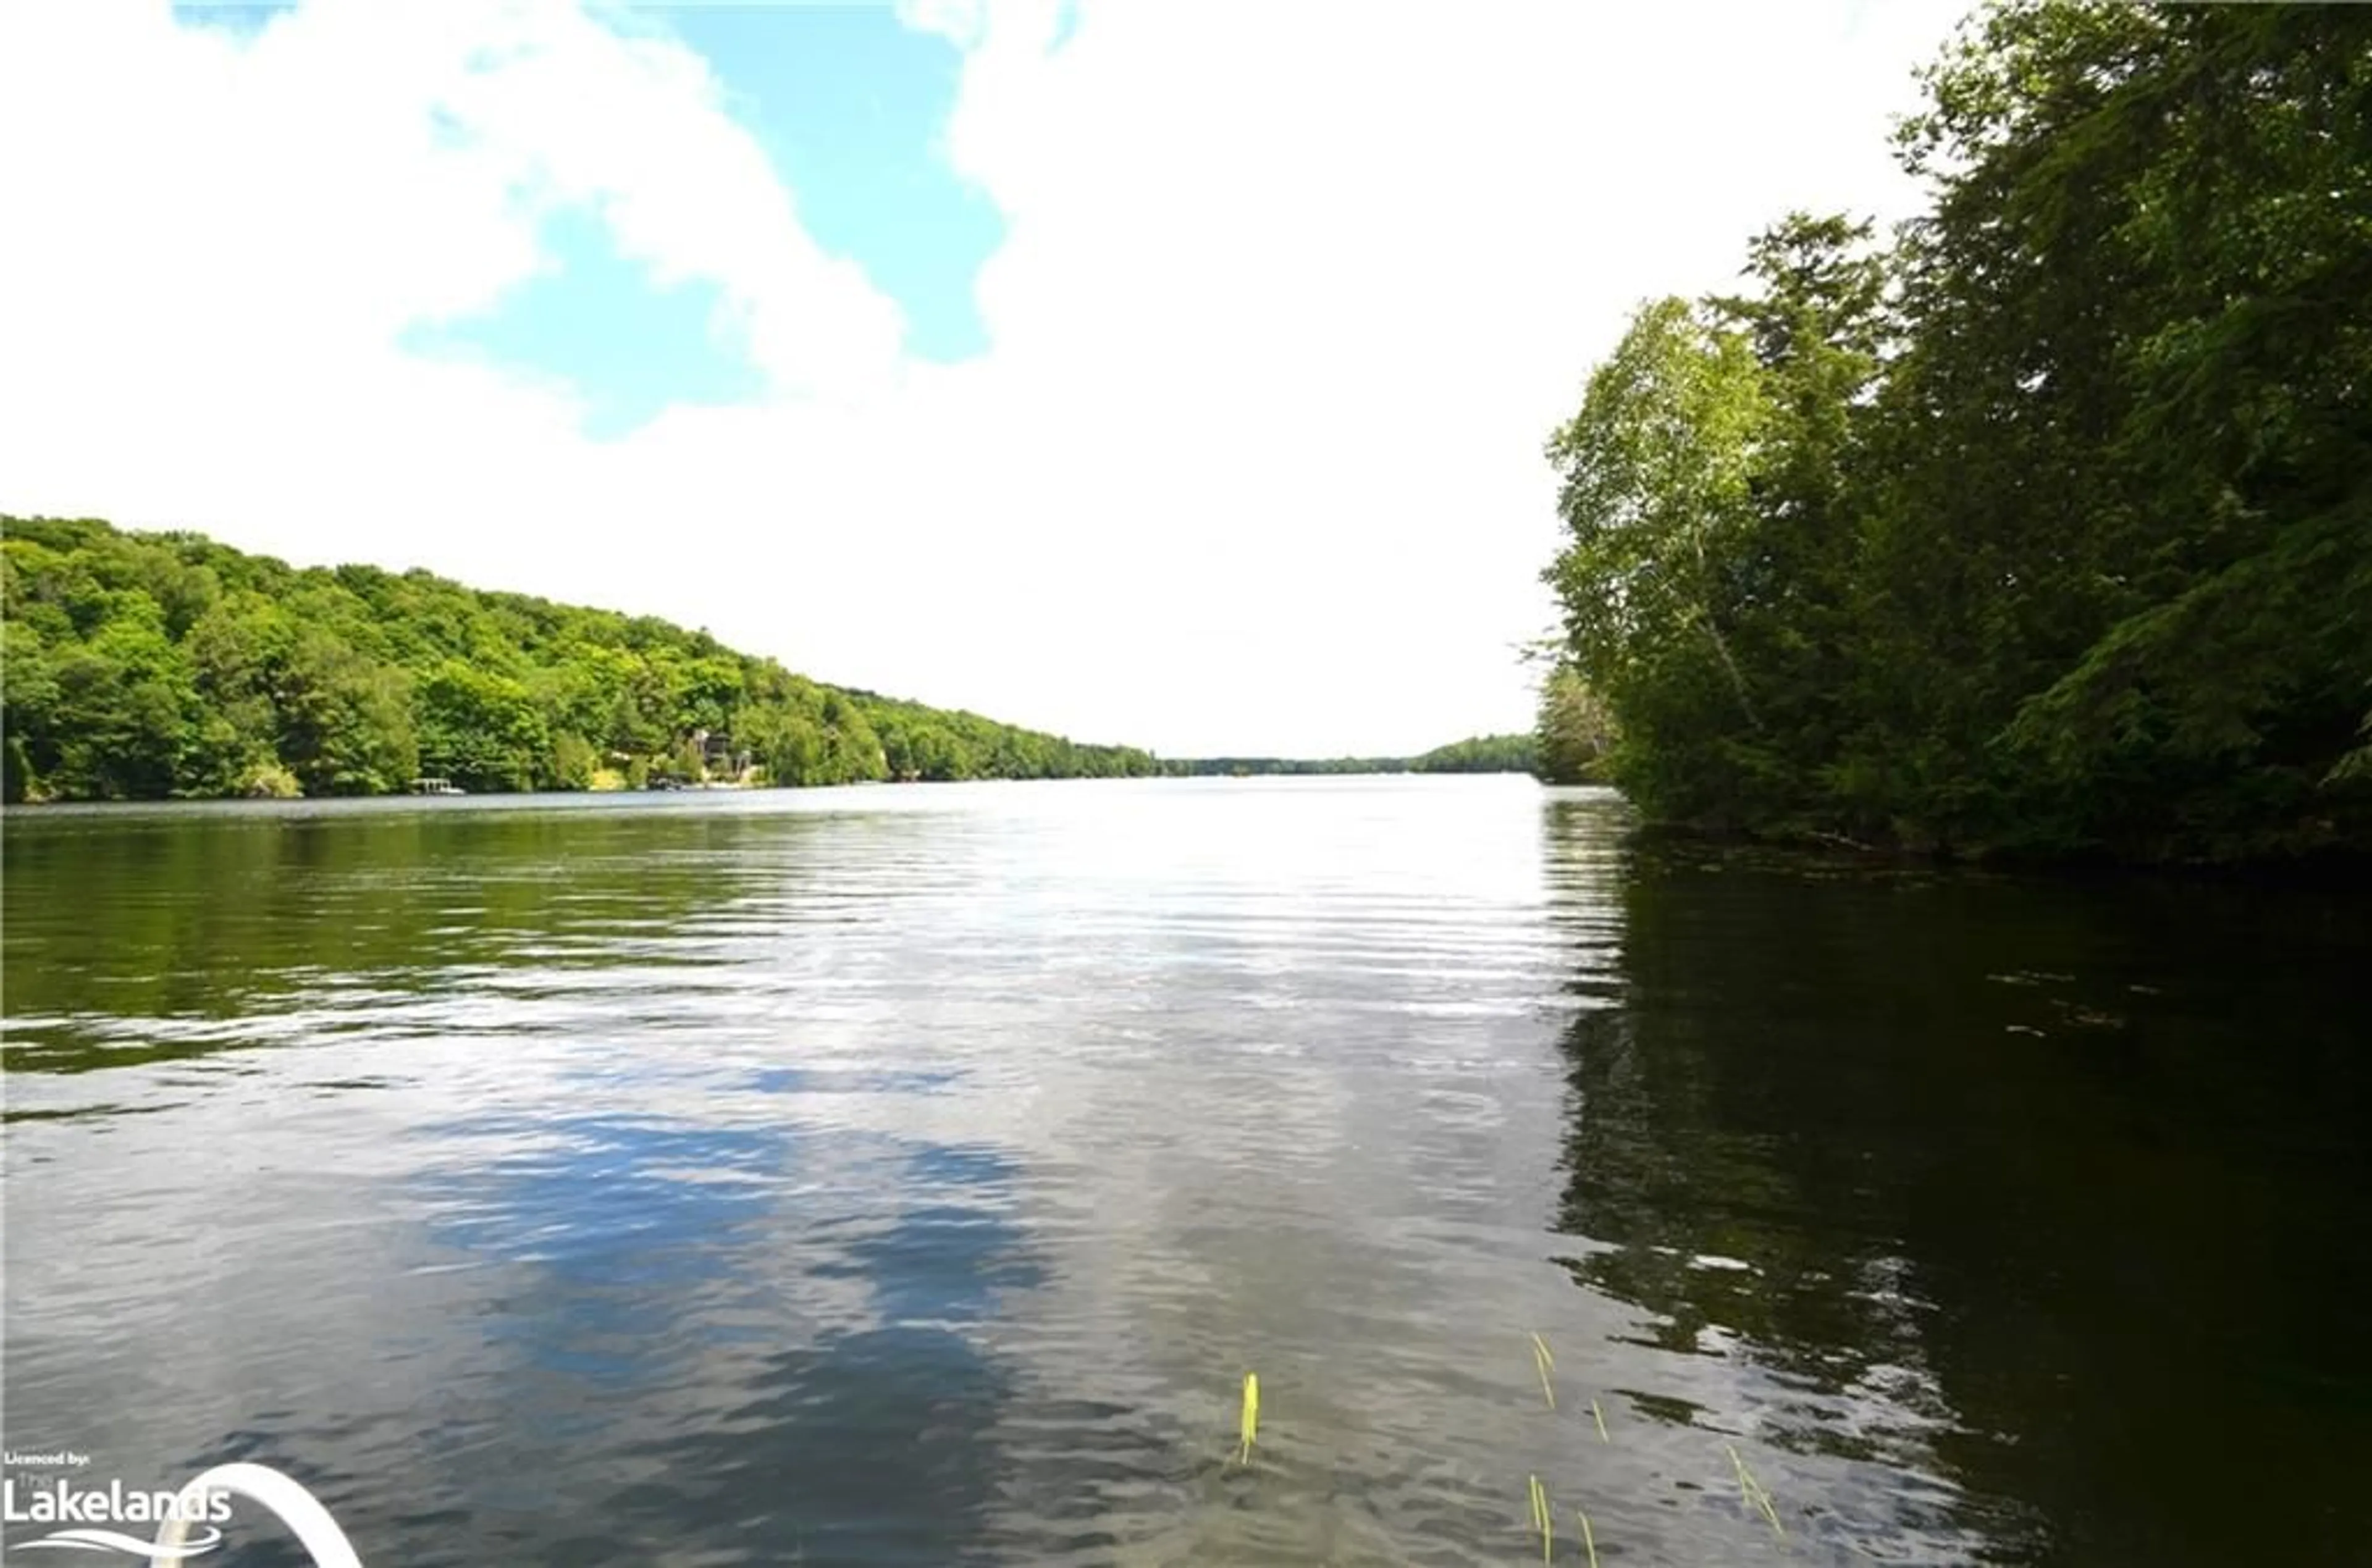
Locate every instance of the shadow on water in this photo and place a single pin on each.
(2066, 1179)
(688, 1369)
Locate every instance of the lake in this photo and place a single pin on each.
(911, 1175)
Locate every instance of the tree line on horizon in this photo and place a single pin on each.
(168, 666)
(143, 666)
(1476, 754)
(2042, 527)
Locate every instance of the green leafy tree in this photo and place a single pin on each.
(123, 717)
(573, 761)
(16, 770)
(481, 731)
(2047, 529)
(1576, 730)
(2149, 275)
(346, 725)
(1657, 501)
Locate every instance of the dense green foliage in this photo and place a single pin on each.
(1575, 738)
(2046, 528)
(1481, 754)
(141, 666)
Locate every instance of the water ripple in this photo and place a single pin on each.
(880, 1177)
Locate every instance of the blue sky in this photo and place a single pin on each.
(850, 105)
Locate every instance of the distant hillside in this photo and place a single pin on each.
(1483, 754)
(154, 665)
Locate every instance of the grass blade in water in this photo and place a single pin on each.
(1247, 1423)
(1755, 1493)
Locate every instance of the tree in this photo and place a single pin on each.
(1815, 312)
(1656, 499)
(2185, 199)
(16, 771)
(573, 762)
(1576, 730)
(346, 725)
(123, 716)
(481, 731)
(2048, 530)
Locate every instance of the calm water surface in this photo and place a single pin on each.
(910, 1175)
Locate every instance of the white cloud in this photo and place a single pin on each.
(1284, 315)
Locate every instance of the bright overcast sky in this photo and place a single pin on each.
(1166, 373)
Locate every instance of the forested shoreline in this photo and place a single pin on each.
(1476, 754)
(144, 667)
(165, 666)
(2042, 528)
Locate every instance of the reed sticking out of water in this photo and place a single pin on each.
(1756, 1494)
(1247, 1423)
(1543, 1520)
(1543, 1363)
(1589, 1541)
(1600, 1416)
